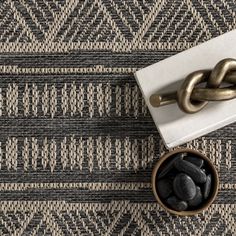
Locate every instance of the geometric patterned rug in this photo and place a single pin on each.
(77, 142)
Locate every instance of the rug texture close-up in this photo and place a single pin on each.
(77, 142)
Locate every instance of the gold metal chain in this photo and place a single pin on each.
(191, 98)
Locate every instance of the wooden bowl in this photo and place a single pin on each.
(215, 182)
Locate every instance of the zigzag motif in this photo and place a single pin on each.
(111, 21)
(118, 217)
(31, 19)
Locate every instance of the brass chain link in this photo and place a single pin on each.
(220, 85)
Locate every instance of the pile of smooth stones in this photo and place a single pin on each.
(184, 182)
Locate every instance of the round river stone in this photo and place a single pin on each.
(184, 187)
(169, 166)
(207, 187)
(194, 160)
(197, 200)
(192, 170)
(177, 204)
(164, 188)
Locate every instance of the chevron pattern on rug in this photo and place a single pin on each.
(121, 26)
(60, 218)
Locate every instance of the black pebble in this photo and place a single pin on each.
(164, 187)
(195, 160)
(207, 187)
(184, 187)
(170, 165)
(192, 170)
(177, 204)
(197, 200)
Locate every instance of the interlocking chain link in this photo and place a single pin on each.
(200, 87)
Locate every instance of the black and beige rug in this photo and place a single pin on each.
(77, 143)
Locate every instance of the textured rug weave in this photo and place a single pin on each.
(77, 143)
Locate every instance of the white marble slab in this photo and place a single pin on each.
(175, 126)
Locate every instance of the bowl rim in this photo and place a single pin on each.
(214, 173)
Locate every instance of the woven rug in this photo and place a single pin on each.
(77, 142)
